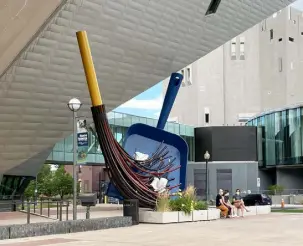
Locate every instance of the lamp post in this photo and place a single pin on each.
(74, 105)
(206, 157)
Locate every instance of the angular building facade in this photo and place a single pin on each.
(135, 44)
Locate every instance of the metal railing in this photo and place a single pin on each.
(38, 207)
(47, 208)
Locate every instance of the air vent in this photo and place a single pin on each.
(213, 7)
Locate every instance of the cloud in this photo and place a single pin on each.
(149, 104)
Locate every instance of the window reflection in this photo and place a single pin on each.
(119, 123)
(281, 137)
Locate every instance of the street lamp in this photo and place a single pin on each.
(206, 157)
(74, 105)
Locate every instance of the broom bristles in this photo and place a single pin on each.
(130, 176)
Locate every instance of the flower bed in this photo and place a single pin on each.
(180, 207)
(184, 207)
(154, 217)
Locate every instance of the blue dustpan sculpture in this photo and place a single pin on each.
(145, 139)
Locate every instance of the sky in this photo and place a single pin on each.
(299, 4)
(149, 103)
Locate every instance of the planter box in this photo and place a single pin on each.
(213, 214)
(158, 217)
(200, 215)
(152, 217)
(185, 217)
(263, 209)
(253, 211)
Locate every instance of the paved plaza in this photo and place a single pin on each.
(101, 210)
(271, 230)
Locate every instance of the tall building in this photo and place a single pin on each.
(254, 72)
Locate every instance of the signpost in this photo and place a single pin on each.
(82, 141)
(258, 184)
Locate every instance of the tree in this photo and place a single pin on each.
(30, 190)
(276, 189)
(62, 183)
(44, 173)
(50, 183)
(40, 183)
(43, 183)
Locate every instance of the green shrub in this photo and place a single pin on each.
(184, 201)
(176, 204)
(200, 205)
(275, 189)
(163, 202)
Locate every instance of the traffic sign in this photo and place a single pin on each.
(258, 182)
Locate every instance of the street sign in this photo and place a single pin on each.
(82, 139)
(258, 182)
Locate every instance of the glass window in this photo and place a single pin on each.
(177, 129)
(269, 124)
(151, 122)
(135, 119)
(294, 135)
(279, 141)
(68, 144)
(143, 120)
(126, 120)
(170, 127)
(182, 130)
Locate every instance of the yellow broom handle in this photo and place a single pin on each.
(89, 68)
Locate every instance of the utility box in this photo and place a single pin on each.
(88, 199)
(131, 209)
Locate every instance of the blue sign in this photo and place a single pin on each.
(82, 139)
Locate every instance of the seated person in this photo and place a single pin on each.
(220, 204)
(238, 202)
(231, 210)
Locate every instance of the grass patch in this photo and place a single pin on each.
(287, 211)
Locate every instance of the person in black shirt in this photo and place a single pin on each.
(220, 204)
(238, 202)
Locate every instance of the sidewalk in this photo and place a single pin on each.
(269, 230)
(100, 211)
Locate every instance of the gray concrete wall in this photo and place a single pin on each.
(266, 179)
(290, 178)
(244, 175)
(230, 87)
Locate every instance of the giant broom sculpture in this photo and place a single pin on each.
(131, 177)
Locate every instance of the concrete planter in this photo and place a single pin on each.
(263, 210)
(200, 215)
(152, 217)
(213, 214)
(252, 209)
(158, 217)
(256, 210)
(185, 217)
